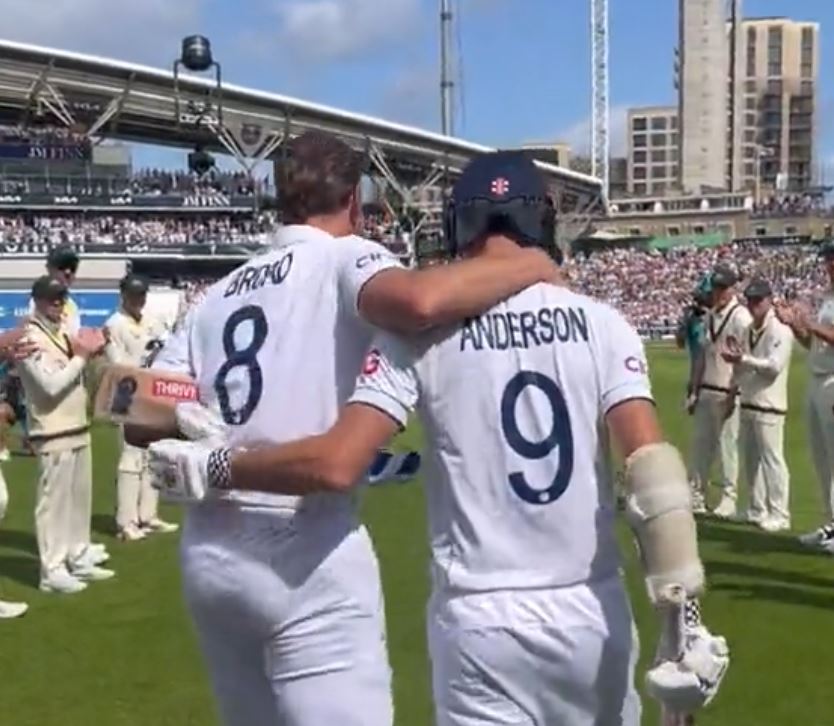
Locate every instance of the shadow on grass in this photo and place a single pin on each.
(737, 570)
(104, 524)
(23, 570)
(17, 540)
(777, 593)
(746, 538)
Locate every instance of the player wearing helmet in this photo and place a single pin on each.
(285, 591)
(529, 621)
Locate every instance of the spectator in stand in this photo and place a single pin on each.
(27, 231)
(792, 205)
(652, 287)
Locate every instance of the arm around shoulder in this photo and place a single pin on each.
(411, 301)
(334, 461)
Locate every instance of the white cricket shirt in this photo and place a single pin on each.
(762, 374)
(519, 483)
(129, 338)
(276, 346)
(731, 321)
(821, 355)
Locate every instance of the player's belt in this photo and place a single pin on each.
(42, 438)
(718, 389)
(763, 409)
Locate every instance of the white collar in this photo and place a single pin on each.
(731, 303)
(297, 234)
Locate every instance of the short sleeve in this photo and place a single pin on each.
(388, 381)
(359, 261)
(175, 354)
(624, 373)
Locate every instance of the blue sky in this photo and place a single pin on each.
(525, 63)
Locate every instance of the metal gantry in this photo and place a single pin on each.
(600, 115)
(447, 84)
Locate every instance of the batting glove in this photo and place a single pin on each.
(180, 470)
(200, 423)
(688, 680)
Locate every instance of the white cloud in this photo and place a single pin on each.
(146, 30)
(578, 135)
(326, 30)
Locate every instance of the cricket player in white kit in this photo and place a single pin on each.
(760, 382)
(285, 590)
(53, 380)
(11, 349)
(131, 333)
(62, 263)
(715, 434)
(8, 610)
(816, 334)
(529, 620)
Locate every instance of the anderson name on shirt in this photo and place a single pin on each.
(504, 330)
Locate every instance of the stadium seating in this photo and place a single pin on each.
(652, 287)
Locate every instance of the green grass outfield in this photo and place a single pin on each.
(122, 652)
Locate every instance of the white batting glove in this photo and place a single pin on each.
(689, 671)
(200, 423)
(179, 469)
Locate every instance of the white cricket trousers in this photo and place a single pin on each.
(288, 608)
(557, 657)
(136, 501)
(714, 436)
(64, 505)
(820, 417)
(762, 438)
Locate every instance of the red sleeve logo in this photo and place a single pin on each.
(371, 365)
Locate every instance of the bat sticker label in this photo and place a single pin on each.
(123, 399)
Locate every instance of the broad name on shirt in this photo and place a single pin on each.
(504, 330)
(254, 276)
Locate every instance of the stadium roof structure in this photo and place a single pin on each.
(107, 98)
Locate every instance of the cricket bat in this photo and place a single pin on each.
(142, 397)
(671, 648)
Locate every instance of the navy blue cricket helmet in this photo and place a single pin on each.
(500, 193)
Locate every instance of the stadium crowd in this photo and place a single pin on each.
(28, 230)
(36, 231)
(652, 287)
(145, 182)
(164, 181)
(792, 205)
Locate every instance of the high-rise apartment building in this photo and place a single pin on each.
(779, 89)
(754, 128)
(652, 150)
(703, 94)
